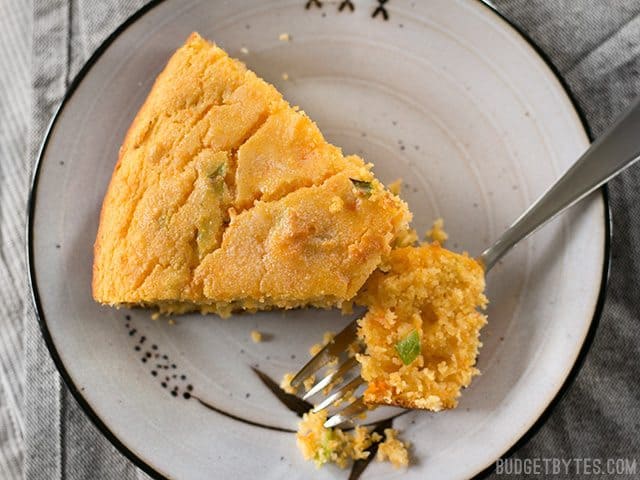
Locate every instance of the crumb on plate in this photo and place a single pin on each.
(393, 449)
(309, 382)
(256, 336)
(333, 445)
(437, 233)
(326, 338)
(395, 187)
(285, 384)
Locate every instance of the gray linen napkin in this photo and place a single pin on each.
(15, 94)
(596, 47)
(59, 440)
(595, 44)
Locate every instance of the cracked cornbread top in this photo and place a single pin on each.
(225, 197)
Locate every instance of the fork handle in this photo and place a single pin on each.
(614, 151)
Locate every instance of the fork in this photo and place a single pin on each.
(615, 150)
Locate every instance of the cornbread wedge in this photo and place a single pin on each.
(421, 330)
(226, 198)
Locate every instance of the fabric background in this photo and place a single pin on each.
(595, 45)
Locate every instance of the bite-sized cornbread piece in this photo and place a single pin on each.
(421, 330)
(225, 198)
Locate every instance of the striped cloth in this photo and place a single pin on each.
(15, 110)
(595, 44)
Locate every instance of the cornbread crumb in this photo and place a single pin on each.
(336, 381)
(256, 336)
(346, 308)
(171, 321)
(395, 187)
(285, 76)
(155, 315)
(308, 383)
(284, 37)
(326, 338)
(437, 233)
(393, 449)
(432, 295)
(244, 50)
(346, 399)
(353, 349)
(315, 348)
(285, 384)
(333, 445)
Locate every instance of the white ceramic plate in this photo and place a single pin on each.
(443, 93)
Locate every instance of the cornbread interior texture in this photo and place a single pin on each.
(225, 197)
(436, 293)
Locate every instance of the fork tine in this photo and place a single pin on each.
(349, 388)
(342, 369)
(332, 349)
(347, 414)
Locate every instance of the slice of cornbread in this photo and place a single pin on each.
(422, 327)
(225, 198)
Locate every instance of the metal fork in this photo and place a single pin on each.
(614, 151)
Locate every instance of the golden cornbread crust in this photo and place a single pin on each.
(224, 197)
(436, 293)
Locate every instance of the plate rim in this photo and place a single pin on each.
(101, 425)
